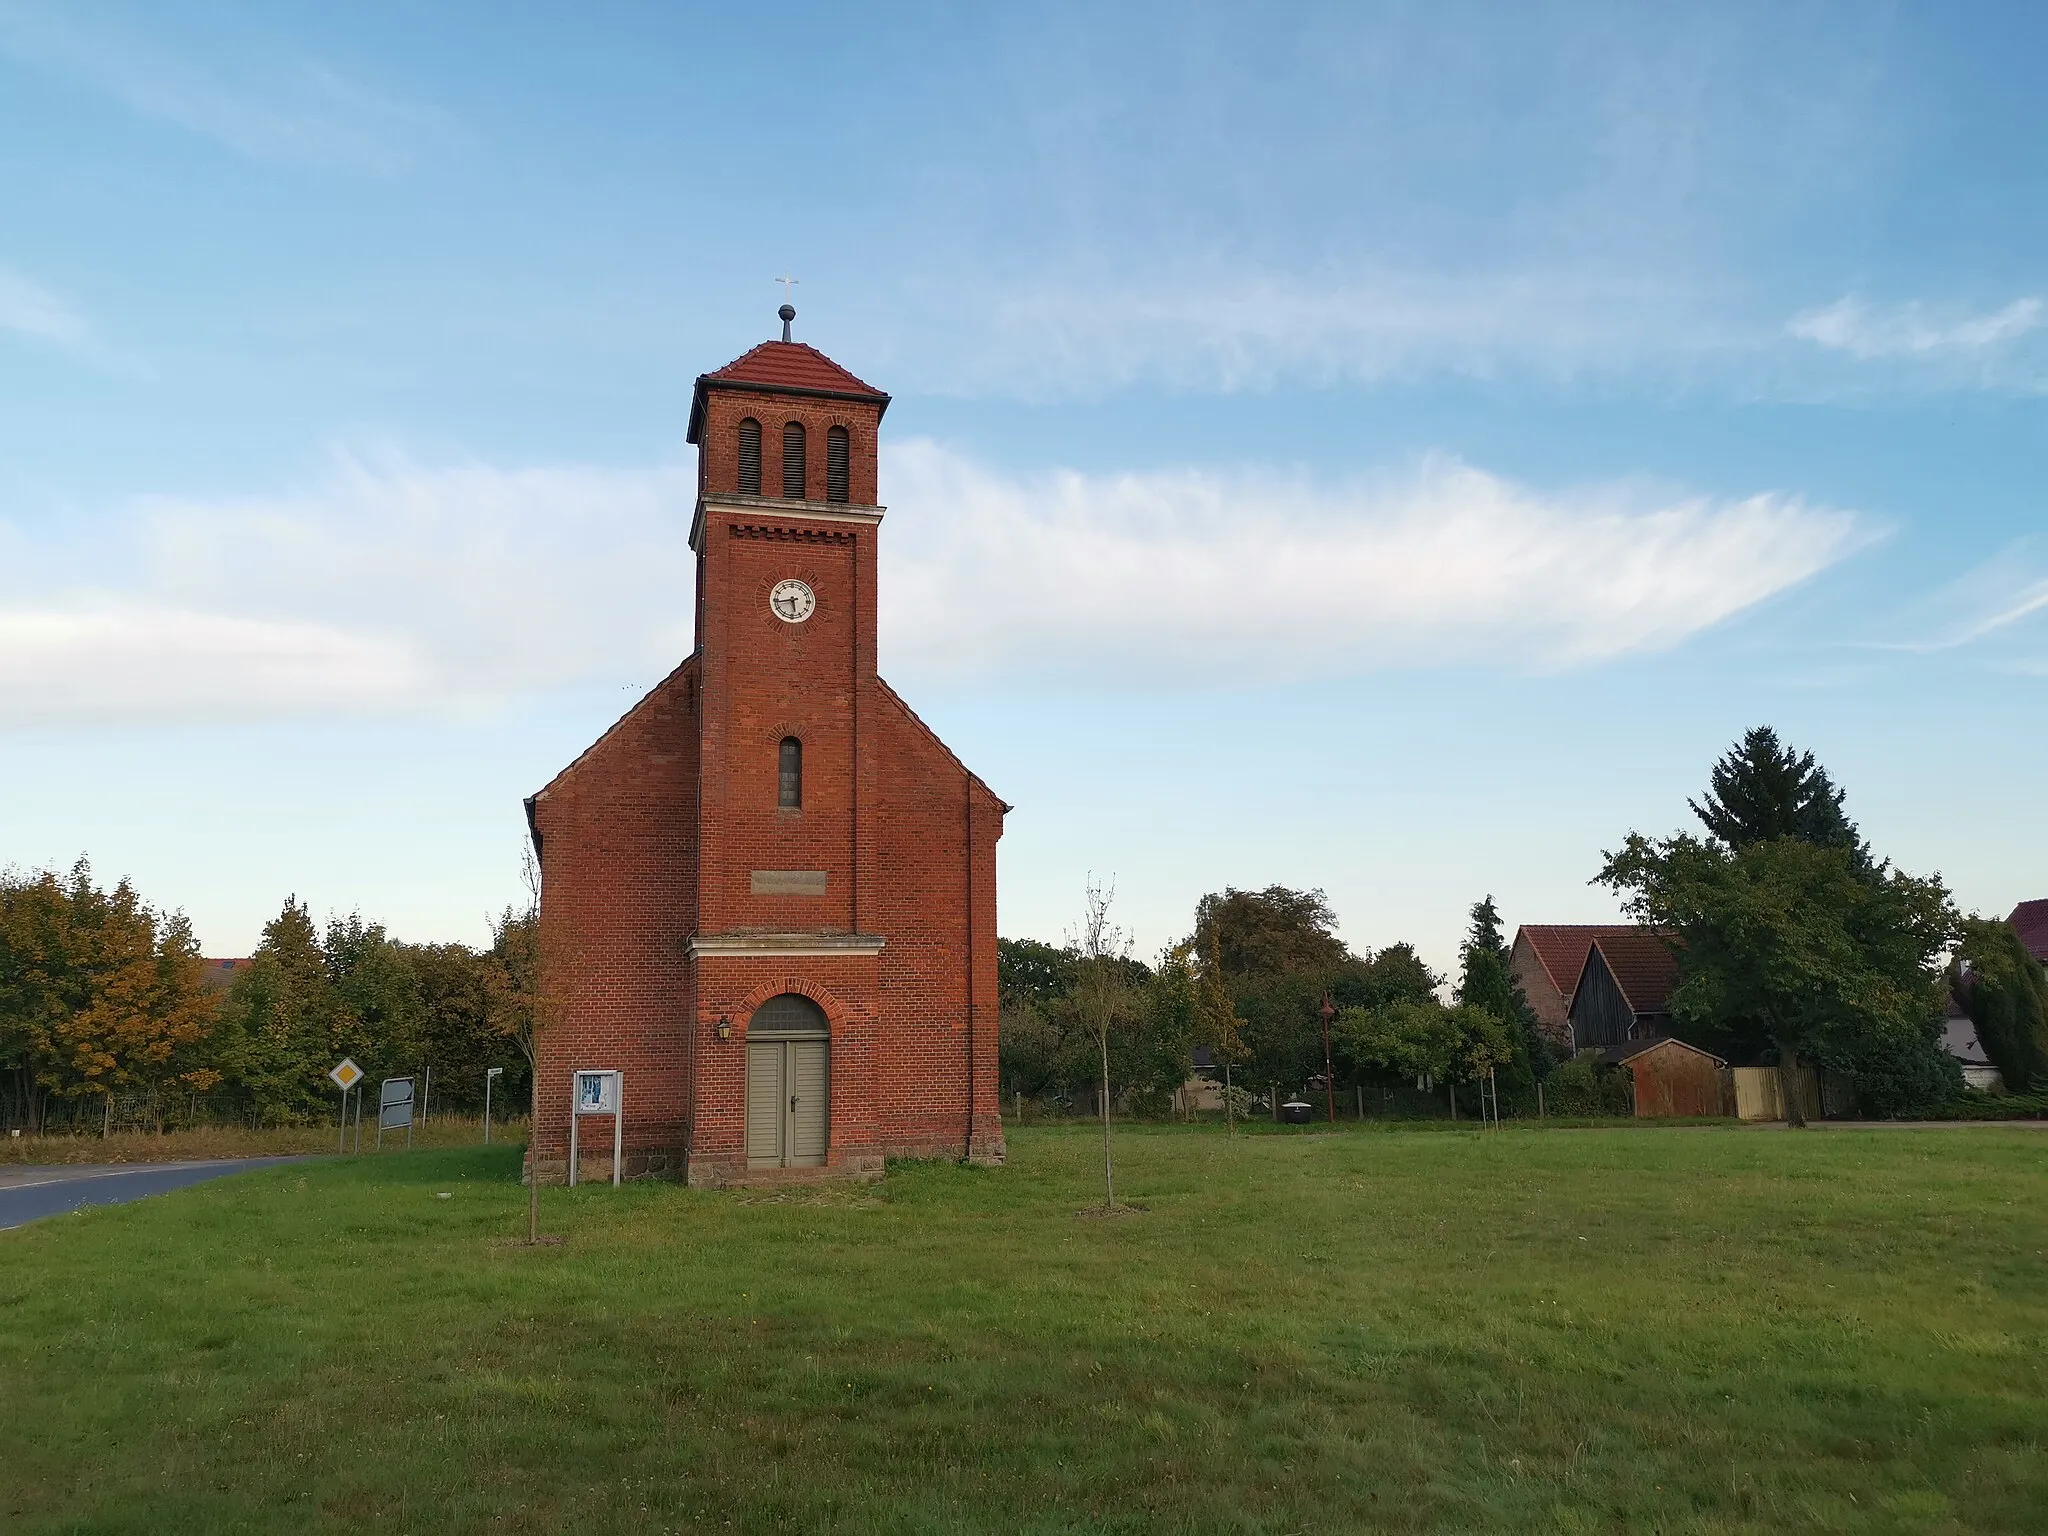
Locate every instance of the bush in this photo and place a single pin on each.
(1972, 1104)
(1904, 1079)
(1587, 1087)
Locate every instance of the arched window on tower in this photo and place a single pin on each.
(793, 461)
(789, 793)
(750, 457)
(838, 450)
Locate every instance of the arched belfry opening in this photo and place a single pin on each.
(789, 1084)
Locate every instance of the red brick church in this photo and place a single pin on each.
(770, 889)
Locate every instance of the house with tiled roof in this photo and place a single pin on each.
(1546, 960)
(1624, 990)
(221, 974)
(2031, 919)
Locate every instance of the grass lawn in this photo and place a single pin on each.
(1612, 1330)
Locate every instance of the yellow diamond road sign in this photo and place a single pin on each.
(347, 1075)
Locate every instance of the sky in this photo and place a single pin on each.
(1390, 449)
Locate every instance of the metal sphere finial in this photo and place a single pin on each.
(788, 313)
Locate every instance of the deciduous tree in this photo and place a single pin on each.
(1797, 942)
(1105, 1002)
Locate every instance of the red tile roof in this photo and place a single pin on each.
(2031, 918)
(1560, 948)
(785, 367)
(221, 973)
(792, 365)
(1642, 965)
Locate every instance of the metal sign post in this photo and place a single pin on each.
(345, 1076)
(598, 1093)
(394, 1108)
(491, 1075)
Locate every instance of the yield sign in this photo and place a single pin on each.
(347, 1075)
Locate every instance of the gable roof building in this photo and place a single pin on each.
(1546, 960)
(2031, 919)
(1624, 990)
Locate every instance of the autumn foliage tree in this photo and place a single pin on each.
(100, 994)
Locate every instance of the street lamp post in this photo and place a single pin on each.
(1329, 1081)
(491, 1075)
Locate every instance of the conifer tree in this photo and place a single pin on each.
(1488, 981)
(1761, 790)
(2003, 989)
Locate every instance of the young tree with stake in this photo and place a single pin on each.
(531, 986)
(1104, 1001)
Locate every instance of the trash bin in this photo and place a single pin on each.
(1297, 1112)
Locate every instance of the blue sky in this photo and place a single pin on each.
(1385, 448)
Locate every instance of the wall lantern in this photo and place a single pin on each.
(724, 1027)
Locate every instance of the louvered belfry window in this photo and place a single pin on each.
(790, 790)
(793, 461)
(750, 457)
(838, 449)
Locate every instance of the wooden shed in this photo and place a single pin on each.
(1674, 1079)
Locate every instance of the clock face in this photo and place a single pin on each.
(792, 601)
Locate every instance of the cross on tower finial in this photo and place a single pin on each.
(788, 310)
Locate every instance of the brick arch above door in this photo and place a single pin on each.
(836, 1012)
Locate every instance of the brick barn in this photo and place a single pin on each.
(770, 889)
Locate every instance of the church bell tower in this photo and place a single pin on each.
(772, 887)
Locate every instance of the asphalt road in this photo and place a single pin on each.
(31, 1191)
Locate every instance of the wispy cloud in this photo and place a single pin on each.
(279, 110)
(1258, 328)
(1997, 598)
(1199, 577)
(1912, 330)
(389, 586)
(29, 309)
(396, 586)
(1255, 327)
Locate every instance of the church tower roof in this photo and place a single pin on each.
(784, 368)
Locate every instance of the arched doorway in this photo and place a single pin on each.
(788, 1084)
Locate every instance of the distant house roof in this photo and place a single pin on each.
(1642, 965)
(782, 368)
(2031, 919)
(221, 973)
(1560, 948)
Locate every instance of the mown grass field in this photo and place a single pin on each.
(1626, 1331)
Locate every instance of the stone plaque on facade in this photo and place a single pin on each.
(789, 882)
